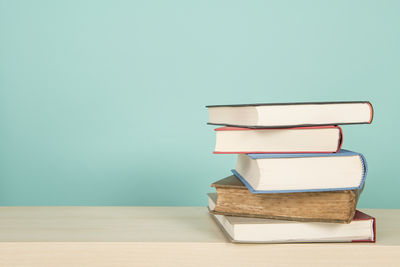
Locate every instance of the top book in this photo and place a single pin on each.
(283, 115)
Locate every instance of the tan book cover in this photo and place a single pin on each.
(233, 198)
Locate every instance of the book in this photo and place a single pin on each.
(291, 140)
(233, 198)
(255, 230)
(302, 172)
(277, 115)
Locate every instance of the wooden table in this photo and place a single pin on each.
(167, 236)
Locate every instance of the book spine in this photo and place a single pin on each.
(340, 139)
(372, 112)
(373, 234)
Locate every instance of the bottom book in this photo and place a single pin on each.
(255, 230)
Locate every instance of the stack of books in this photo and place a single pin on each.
(292, 181)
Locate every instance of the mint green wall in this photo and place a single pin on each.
(102, 102)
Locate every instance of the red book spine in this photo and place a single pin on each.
(361, 216)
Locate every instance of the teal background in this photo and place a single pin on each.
(102, 102)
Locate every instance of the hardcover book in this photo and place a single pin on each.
(323, 139)
(277, 115)
(255, 230)
(302, 172)
(234, 199)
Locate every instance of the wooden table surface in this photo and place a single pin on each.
(167, 236)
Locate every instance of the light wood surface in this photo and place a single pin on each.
(167, 236)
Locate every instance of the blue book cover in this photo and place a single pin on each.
(341, 153)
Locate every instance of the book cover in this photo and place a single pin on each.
(288, 115)
(233, 198)
(341, 153)
(255, 230)
(318, 139)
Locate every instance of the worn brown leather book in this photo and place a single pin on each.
(233, 198)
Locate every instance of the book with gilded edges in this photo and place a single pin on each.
(234, 199)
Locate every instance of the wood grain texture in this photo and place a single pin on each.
(167, 236)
